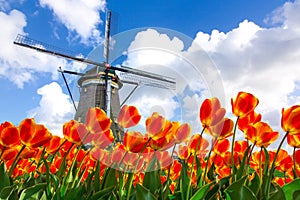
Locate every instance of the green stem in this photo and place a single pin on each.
(273, 165)
(192, 169)
(208, 157)
(131, 177)
(232, 147)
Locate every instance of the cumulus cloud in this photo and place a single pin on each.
(20, 65)
(54, 109)
(195, 74)
(263, 61)
(81, 17)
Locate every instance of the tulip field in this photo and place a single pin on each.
(166, 161)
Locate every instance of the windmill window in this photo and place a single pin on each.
(85, 89)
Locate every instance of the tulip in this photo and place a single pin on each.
(243, 104)
(129, 116)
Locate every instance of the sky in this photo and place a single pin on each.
(212, 48)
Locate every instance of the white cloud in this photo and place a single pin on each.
(54, 109)
(155, 51)
(82, 17)
(20, 65)
(264, 61)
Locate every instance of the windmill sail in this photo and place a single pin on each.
(100, 85)
(27, 42)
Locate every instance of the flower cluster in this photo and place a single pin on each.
(166, 159)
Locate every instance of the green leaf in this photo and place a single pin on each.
(290, 188)
(242, 193)
(200, 194)
(152, 181)
(6, 191)
(96, 182)
(184, 181)
(254, 185)
(238, 190)
(240, 171)
(33, 190)
(213, 192)
(75, 193)
(175, 196)
(296, 195)
(4, 178)
(111, 179)
(62, 168)
(102, 193)
(266, 170)
(278, 195)
(143, 193)
(210, 174)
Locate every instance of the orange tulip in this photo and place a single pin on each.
(74, 131)
(9, 154)
(183, 152)
(211, 112)
(249, 119)
(261, 134)
(175, 170)
(9, 135)
(197, 144)
(134, 141)
(161, 132)
(221, 146)
(223, 129)
(33, 135)
(129, 116)
(97, 121)
(243, 104)
(53, 145)
(182, 133)
(240, 148)
(284, 161)
(294, 140)
(157, 126)
(290, 120)
(102, 139)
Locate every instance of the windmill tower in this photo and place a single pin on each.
(100, 85)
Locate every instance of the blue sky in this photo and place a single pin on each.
(254, 46)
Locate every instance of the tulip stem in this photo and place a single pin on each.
(273, 164)
(208, 157)
(194, 159)
(134, 171)
(232, 147)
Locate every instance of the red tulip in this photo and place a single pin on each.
(261, 134)
(33, 135)
(290, 120)
(211, 112)
(129, 116)
(75, 132)
(134, 141)
(97, 121)
(243, 104)
(9, 135)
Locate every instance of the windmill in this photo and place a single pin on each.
(99, 85)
